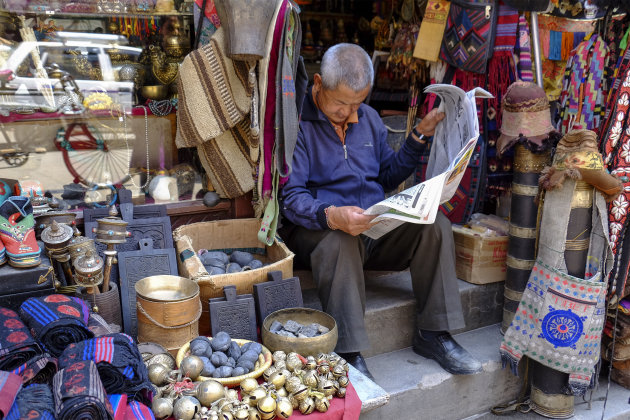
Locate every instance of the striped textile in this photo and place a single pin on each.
(17, 345)
(10, 385)
(118, 361)
(524, 67)
(40, 369)
(56, 320)
(119, 405)
(35, 402)
(138, 411)
(79, 394)
(507, 29)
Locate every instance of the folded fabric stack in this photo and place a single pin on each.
(619, 354)
(57, 321)
(35, 402)
(17, 346)
(38, 370)
(79, 393)
(10, 385)
(118, 361)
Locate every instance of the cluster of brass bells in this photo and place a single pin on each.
(309, 384)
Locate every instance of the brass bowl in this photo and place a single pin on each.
(264, 361)
(166, 288)
(324, 343)
(154, 92)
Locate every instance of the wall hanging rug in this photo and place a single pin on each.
(40, 369)
(119, 364)
(17, 345)
(615, 142)
(431, 32)
(33, 402)
(56, 320)
(583, 89)
(79, 394)
(469, 35)
(10, 385)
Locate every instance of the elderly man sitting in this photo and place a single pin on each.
(342, 165)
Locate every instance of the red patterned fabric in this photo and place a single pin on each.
(348, 408)
(10, 385)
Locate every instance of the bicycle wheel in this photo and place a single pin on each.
(94, 158)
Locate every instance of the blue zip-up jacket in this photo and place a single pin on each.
(326, 172)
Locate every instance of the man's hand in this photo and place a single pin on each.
(429, 122)
(350, 219)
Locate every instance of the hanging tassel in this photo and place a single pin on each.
(567, 45)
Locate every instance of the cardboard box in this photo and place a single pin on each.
(479, 259)
(227, 236)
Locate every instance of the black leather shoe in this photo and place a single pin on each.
(444, 349)
(358, 362)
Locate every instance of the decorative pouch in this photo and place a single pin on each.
(469, 35)
(559, 324)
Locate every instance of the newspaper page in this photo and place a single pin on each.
(420, 203)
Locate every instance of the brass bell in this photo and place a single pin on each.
(294, 402)
(341, 393)
(191, 367)
(323, 368)
(241, 413)
(336, 385)
(307, 406)
(292, 383)
(282, 392)
(267, 407)
(162, 408)
(279, 355)
(253, 414)
(209, 391)
(293, 362)
(256, 395)
(298, 371)
(321, 357)
(301, 393)
(268, 372)
(343, 381)
(186, 407)
(231, 394)
(277, 379)
(163, 359)
(158, 374)
(338, 371)
(284, 408)
(326, 387)
(226, 415)
(280, 365)
(248, 385)
(322, 404)
(311, 364)
(309, 378)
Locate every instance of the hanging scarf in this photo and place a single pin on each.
(524, 67)
(118, 361)
(40, 369)
(17, 345)
(80, 395)
(582, 98)
(35, 402)
(56, 321)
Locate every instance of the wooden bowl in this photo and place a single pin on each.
(264, 361)
(324, 343)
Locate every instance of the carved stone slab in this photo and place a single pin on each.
(276, 294)
(136, 265)
(156, 228)
(139, 212)
(236, 315)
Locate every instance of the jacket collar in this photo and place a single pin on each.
(310, 112)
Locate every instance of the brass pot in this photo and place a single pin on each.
(324, 343)
(154, 92)
(166, 288)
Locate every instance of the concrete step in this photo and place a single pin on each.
(420, 389)
(391, 307)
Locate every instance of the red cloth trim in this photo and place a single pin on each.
(10, 385)
(348, 408)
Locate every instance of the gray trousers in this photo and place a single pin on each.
(338, 259)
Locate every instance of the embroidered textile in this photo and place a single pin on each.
(210, 21)
(79, 394)
(17, 345)
(118, 361)
(35, 402)
(40, 369)
(56, 320)
(10, 385)
(507, 30)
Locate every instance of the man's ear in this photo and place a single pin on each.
(317, 81)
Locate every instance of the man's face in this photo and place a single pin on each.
(337, 104)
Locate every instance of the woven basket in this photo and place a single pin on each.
(264, 361)
(108, 304)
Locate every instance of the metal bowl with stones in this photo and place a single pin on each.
(306, 346)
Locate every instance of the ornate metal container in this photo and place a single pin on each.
(79, 245)
(56, 237)
(111, 229)
(89, 269)
(42, 221)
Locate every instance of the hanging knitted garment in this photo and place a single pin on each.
(524, 68)
(583, 89)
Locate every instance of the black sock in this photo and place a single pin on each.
(430, 335)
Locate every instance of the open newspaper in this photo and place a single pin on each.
(458, 131)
